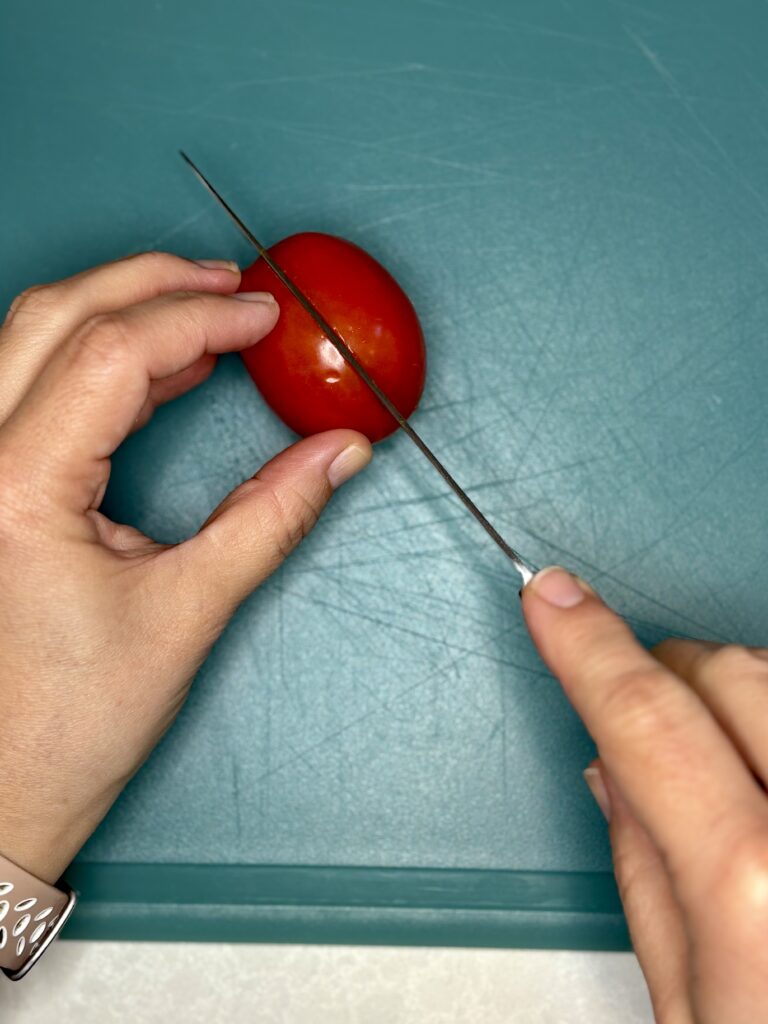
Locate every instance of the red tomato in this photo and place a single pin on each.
(299, 372)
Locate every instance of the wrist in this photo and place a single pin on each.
(43, 827)
(42, 850)
(52, 797)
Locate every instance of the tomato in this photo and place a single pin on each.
(296, 368)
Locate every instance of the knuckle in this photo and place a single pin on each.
(105, 338)
(287, 515)
(637, 701)
(741, 889)
(157, 263)
(636, 872)
(629, 875)
(736, 661)
(36, 300)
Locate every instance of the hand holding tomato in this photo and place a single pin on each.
(102, 628)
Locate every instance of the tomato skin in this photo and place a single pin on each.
(301, 376)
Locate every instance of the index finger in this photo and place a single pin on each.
(88, 397)
(41, 318)
(678, 771)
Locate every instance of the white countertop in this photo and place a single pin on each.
(158, 983)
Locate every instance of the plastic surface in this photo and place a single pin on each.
(573, 196)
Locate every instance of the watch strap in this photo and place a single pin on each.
(32, 913)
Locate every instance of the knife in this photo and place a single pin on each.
(523, 567)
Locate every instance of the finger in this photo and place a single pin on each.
(41, 318)
(262, 521)
(87, 399)
(653, 914)
(679, 773)
(733, 683)
(165, 390)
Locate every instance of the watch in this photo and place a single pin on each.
(32, 913)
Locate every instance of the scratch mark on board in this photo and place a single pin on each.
(674, 87)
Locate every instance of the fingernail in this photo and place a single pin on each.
(559, 587)
(594, 779)
(255, 297)
(350, 461)
(218, 265)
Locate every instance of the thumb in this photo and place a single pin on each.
(258, 525)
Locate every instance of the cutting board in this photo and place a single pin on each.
(574, 196)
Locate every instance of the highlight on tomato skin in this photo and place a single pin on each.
(300, 374)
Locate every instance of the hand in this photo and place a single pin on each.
(683, 741)
(101, 628)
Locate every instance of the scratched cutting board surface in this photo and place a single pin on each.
(574, 197)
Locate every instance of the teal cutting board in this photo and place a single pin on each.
(574, 195)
